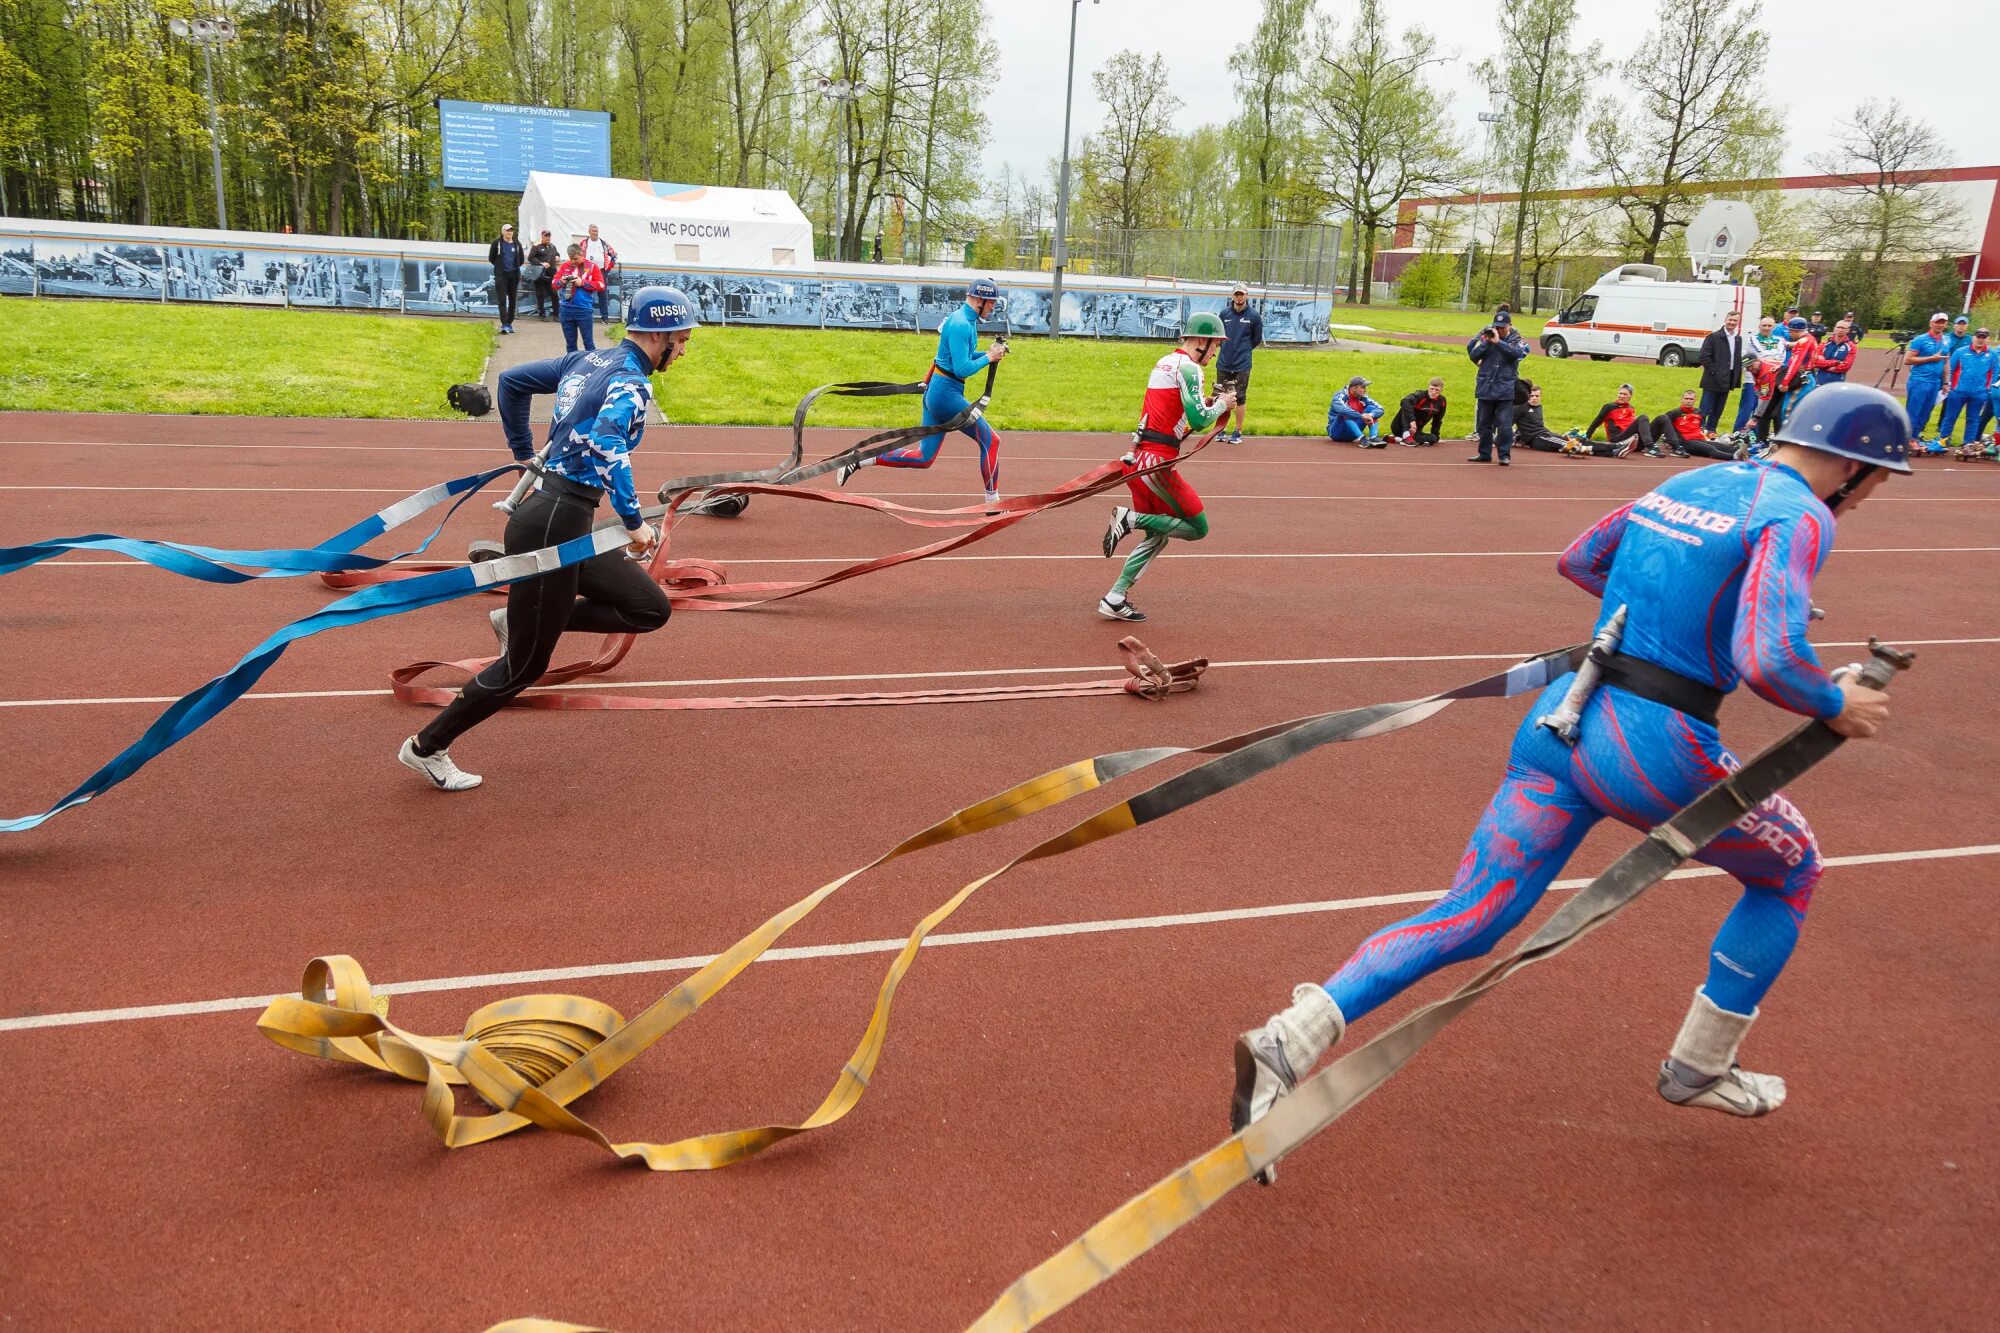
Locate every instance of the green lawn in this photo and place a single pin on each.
(130, 356)
(138, 357)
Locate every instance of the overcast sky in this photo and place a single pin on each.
(1825, 55)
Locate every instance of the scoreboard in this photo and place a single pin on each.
(493, 146)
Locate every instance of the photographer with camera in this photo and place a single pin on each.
(1498, 352)
(578, 283)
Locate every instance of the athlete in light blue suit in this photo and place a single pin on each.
(958, 360)
(1924, 357)
(1715, 571)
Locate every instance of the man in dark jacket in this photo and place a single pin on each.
(1721, 369)
(1243, 333)
(545, 259)
(506, 256)
(1420, 416)
(1497, 351)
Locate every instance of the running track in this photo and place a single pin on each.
(1071, 1042)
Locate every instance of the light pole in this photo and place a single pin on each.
(1489, 119)
(209, 34)
(1060, 255)
(840, 92)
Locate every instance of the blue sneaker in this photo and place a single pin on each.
(1236, 437)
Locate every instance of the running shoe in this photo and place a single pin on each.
(1736, 1092)
(1624, 449)
(444, 774)
(1122, 609)
(1236, 437)
(1679, 452)
(845, 472)
(992, 503)
(1655, 451)
(1122, 526)
(1271, 1060)
(498, 619)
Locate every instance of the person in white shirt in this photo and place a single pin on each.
(599, 252)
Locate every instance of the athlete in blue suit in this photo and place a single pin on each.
(600, 416)
(958, 360)
(1924, 358)
(1715, 569)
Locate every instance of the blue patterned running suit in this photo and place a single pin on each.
(958, 360)
(600, 413)
(1716, 569)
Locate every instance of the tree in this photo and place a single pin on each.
(954, 53)
(1852, 284)
(1701, 116)
(1935, 286)
(1429, 281)
(1541, 77)
(1382, 132)
(1887, 205)
(1126, 162)
(1265, 132)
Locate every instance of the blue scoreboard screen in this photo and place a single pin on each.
(493, 146)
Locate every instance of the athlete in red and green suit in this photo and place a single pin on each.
(1163, 505)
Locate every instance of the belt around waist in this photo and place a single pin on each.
(938, 369)
(1651, 681)
(562, 488)
(1145, 435)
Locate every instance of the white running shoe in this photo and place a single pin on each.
(498, 619)
(1122, 609)
(992, 502)
(444, 774)
(845, 472)
(1122, 526)
(1737, 1092)
(1271, 1060)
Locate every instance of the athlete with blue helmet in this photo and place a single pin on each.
(1714, 569)
(958, 359)
(600, 417)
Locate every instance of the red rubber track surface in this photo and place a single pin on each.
(184, 1172)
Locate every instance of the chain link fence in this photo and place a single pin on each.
(1304, 260)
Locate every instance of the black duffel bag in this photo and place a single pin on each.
(475, 400)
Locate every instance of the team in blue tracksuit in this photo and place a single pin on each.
(1926, 381)
(958, 360)
(1715, 569)
(1970, 378)
(1354, 416)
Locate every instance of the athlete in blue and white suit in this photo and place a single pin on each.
(600, 417)
(958, 360)
(1715, 568)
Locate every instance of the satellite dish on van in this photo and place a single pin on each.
(1723, 232)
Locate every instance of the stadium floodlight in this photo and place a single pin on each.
(838, 90)
(1060, 251)
(209, 34)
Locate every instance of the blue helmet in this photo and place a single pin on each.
(983, 289)
(660, 310)
(1854, 421)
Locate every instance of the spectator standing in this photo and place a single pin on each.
(1969, 378)
(1961, 336)
(543, 260)
(1355, 418)
(599, 252)
(1794, 378)
(1497, 351)
(1836, 356)
(1243, 334)
(1721, 369)
(506, 256)
(1624, 423)
(1816, 326)
(1924, 358)
(1420, 416)
(1763, 353)
(578, 283)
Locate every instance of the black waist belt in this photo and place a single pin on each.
(562, 488)
(947, 374)
(1649, 680)
(1147, 435)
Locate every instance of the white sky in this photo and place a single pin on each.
(1826, 56)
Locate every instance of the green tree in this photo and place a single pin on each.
(1126, 162)
(1887, 205)
(1935, 286)
(1268, 125)
(1699, 114)
(1429, 281)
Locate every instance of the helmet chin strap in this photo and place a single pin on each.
(1843, 492)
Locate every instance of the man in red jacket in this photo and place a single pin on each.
(1680, 430)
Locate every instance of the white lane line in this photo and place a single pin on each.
(484, 980)
(920, 675)
(1174, 555)
(1483, 499)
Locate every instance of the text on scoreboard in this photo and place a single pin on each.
(493, 146)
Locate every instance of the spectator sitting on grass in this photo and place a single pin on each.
(1420, 416)
(1681, 431)
(1624, 423)
(1355, 418)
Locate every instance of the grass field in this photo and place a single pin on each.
(129, 356)
(134, 357)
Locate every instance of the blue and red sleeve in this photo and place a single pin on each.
(1587, 562)
(1769, 642)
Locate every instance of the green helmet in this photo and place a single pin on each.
(1202, 324)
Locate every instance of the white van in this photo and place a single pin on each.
(1635, 311)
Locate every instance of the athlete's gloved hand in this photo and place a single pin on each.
(997, 352)
(643, 538)
(1863, 711)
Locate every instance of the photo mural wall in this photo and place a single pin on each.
(442, 283)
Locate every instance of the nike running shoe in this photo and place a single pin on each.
(1737, 1092)
(845, 472)
(1122, 609)
(1122, 526)
(444, 774)
(498, 619)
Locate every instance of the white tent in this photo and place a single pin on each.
(653, 225)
